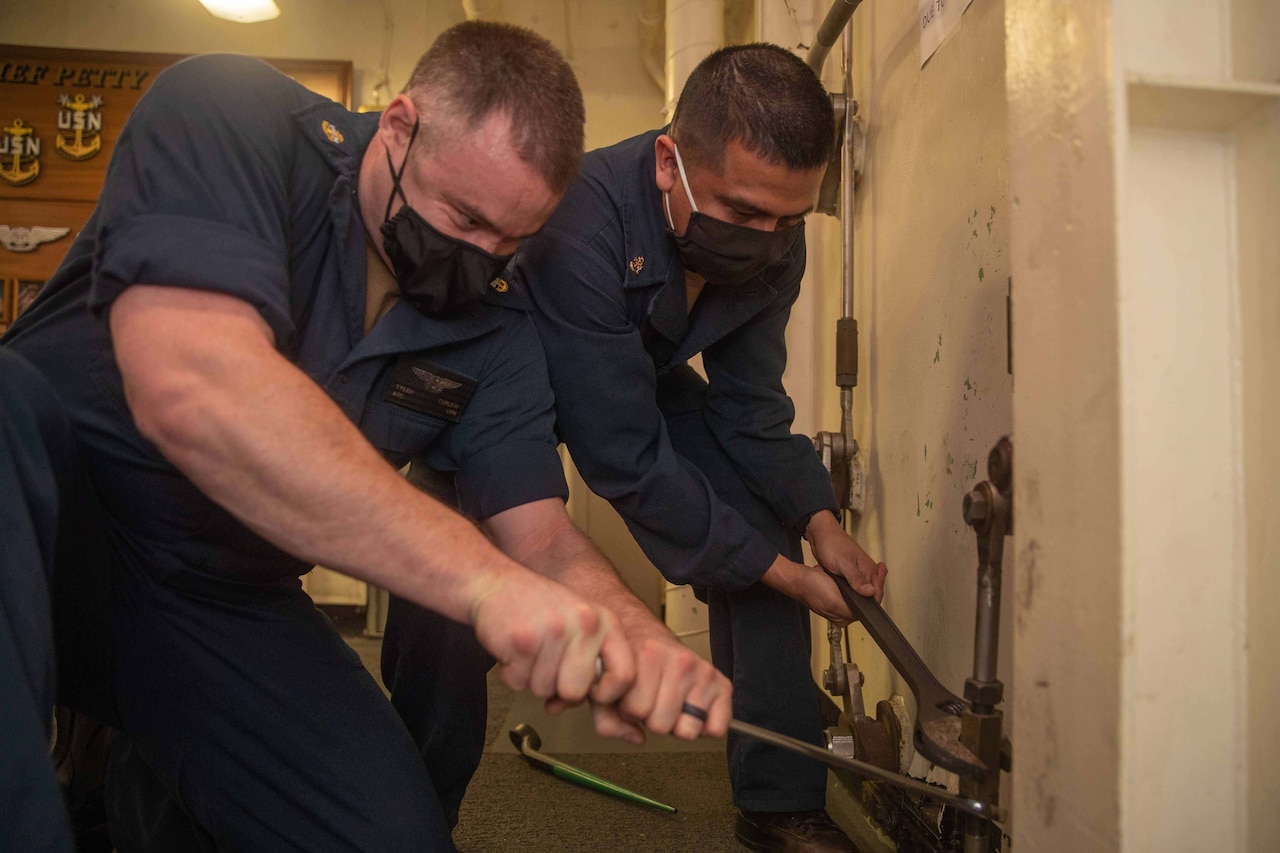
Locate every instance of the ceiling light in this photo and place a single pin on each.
(242, 11)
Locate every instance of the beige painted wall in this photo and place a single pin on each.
(600, 38)
(931, 261)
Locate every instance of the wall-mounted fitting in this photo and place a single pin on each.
(837, 455)
(846, 112)
(876, 741)
(835, 677)
(846, 108)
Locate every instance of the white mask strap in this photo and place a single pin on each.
(683, 178)
(666, 202)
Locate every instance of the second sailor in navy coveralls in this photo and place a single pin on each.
(691, 241)
(274, 299)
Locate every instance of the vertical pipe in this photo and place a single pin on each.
(847, 179)
(846, 229)
(987, 633)
(976, 837)
(986, 639)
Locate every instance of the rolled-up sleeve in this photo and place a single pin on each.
(196, 194)
(503, 450)
(750, 414)
(605, 390)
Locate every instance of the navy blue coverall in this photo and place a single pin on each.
(191, 633)
(706, 474)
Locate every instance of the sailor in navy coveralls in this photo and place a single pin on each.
(691, 240)
(276, 304)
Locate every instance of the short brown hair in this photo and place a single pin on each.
(762, 96)
(477, 68)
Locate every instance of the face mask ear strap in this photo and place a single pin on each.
(684, 179)
(395, 175)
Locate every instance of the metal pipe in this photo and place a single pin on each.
(986, 639)
(977, 808)
(482, 10)
(977, 839)
(846, 232)
(989, 512)
(832, 25)
(987, 631)
(987, 628)
(847, 178)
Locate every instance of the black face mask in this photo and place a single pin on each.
(724, 253)
(438, 274)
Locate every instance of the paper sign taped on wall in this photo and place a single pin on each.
(936, 21)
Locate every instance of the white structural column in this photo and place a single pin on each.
(1144, 717)
(1066, 419)
(1183, 695)
(1185, 570)
(695, 28)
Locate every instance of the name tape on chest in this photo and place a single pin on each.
(429, 389)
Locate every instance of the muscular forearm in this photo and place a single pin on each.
(263, 441)
(559, 551)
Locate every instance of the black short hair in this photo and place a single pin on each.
(764, 97)
(476, 68)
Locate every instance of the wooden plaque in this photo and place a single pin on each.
(61, 112)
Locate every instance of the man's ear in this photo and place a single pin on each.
(665, 175)
(395, 126)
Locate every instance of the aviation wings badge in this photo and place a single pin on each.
(433, 382)
(17, 239)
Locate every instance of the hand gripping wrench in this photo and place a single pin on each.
(938, 710)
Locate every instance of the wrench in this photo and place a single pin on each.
(938, 710)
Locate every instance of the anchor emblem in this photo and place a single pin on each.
(84, 117)
(19, 143)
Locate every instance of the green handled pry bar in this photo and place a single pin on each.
(528, 743)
